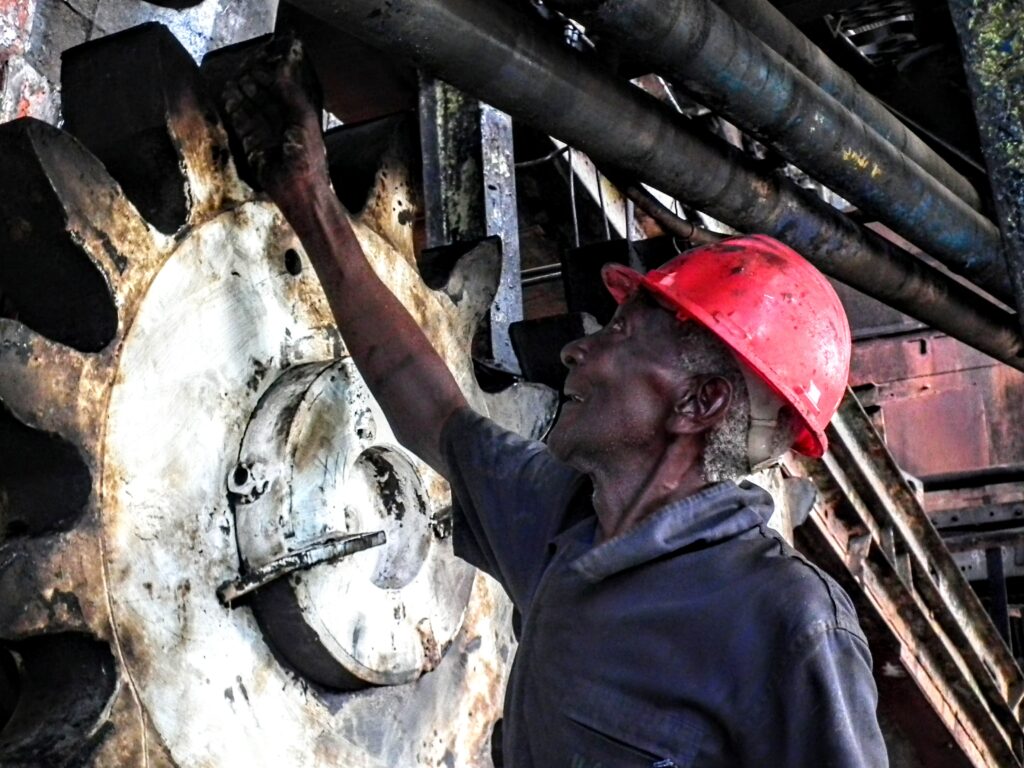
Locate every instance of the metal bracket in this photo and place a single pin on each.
(470, 192)
(323, 552)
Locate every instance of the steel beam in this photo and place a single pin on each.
(502, 56)
(469, 186)
(502, 219)
(728, 69)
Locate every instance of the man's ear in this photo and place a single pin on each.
(703, 403)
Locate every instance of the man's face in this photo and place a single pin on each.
(623, 384)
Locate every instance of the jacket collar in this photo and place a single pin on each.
(714, 513)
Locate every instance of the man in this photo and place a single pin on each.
(663, 623)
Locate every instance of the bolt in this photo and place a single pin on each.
(366, 427)
(247, 482)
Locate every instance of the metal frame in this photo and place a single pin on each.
(469, 186)
(870, 525)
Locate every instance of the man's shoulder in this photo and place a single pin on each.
(789, 592)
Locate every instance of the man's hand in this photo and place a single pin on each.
(271, 107)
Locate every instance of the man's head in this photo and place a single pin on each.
(740, 348)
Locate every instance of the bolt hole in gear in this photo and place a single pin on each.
(292, 262)
(177, 414)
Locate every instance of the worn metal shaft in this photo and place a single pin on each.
(715, 57)
(505, 59)
(770, 25)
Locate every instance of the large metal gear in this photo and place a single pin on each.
(193, 476)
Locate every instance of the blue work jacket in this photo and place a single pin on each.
(698, 638)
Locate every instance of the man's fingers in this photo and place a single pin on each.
(257, 159)
(294, 134)
(251, 108)
(251, 144)
(264, 78)
(295, 144)
(231, 97)
(249, 86)
(271, 111)
(247, 120)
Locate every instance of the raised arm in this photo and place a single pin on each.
(270, 109)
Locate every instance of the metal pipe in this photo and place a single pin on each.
(770, 25)
(674, 225)
(502, 57)
(712, 55)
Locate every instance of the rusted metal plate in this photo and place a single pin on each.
(946, 407)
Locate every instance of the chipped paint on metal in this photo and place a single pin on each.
(15, 27)
(25, 93)
(862, 162)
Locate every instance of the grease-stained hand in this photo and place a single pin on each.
(271, 109)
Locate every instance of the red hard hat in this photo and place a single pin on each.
(776, 312)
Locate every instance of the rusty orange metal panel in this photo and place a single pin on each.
(947, 408)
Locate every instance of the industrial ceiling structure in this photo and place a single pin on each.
(212, 550)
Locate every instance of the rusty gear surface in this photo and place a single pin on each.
(128, 381)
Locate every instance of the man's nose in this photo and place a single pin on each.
(574, 352)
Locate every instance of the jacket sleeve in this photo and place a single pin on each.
(820, 711)
(509, 497)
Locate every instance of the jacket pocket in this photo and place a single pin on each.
(606, 731)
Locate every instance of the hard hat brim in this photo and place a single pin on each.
(623, 283)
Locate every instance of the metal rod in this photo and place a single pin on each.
(433, 187)
(715, 57)
(572, 201)
(500, 55)
(770, 25)
(604, 213)
(541, 160)
(501, 213)
(545, 269)
(541, 279)
(670, 222)
(877, 523)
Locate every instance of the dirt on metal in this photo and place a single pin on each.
(208, 318)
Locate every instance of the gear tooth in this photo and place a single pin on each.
(100, 219)
(528, 409)
(473, 281)
(152, 124)
(40, 381)
(127, 736)
(48, 188)
(47, 582)
(67, 682)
